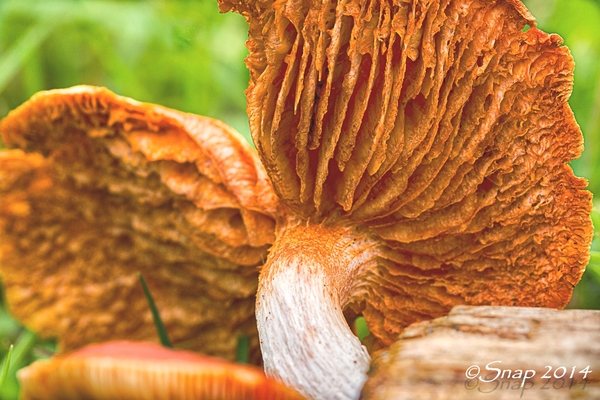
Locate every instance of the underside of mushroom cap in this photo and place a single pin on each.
(443, 127)
(113, 187)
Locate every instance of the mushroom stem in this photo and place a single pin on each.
(304, 337)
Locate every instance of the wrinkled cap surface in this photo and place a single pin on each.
(440, 126)
(111, 187)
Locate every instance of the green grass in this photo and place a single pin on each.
(158, 323)
(6, 365)
(181, 54)
(19, 347)
(243, 350)
(185, 55)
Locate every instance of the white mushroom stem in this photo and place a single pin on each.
(304, 337)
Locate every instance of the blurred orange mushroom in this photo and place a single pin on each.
(418, 155)
(137, 370)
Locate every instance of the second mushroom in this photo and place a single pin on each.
(416, 154)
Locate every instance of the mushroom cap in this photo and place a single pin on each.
(441, 127)
(111, 187)
(135, 370)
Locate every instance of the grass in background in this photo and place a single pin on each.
(185, 55)
(180, 54)
(26, 348)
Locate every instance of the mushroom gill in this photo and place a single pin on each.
(113, 187)
(421, 148)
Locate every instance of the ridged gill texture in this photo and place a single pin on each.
(111, 187)
(134, 370)
(443, 127)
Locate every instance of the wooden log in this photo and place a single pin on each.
(492, 353)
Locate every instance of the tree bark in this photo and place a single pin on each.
(492, 353)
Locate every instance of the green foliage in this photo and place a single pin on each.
(6, 365)
(185, 55)
(19, 347)
(362, 330)
(181, 54)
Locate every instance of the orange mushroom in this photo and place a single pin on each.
(116, 188)
(421, 148)
(137, 370)
(419, 152)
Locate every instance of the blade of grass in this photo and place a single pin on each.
(160, 327)
(23, 347)
(20, 357)
(6, 365)
(12, 61)
(243, 350)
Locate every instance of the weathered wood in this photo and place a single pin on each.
(493, 353)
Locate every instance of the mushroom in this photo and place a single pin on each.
(421, 148)
(142, 370)
(117, 187)
(419, 152)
